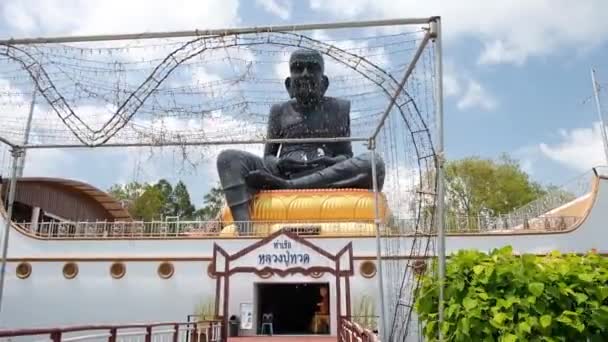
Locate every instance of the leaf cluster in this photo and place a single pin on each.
(161, 200)
(476, 186)
(499, 296)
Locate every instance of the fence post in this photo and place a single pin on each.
(176, 333)
(56, 336)
(195, 333)
(562, 224)
(148, 334)
(112, 337)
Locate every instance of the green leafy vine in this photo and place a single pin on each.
(506, 298)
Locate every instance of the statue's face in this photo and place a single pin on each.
(307, 79)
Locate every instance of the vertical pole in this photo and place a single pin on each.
(112, 337)
(383, 330)
(436, 34)
(596, 92)
(16, 152)
(176, 333)
(148, 337)
(28, 128)
(56, 336)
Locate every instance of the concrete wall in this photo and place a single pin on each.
(46, 298)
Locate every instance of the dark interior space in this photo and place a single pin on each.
(295, 307)
(21, 212)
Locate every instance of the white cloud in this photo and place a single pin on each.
(451, 84)
(53, 17)
(332, 67)
(281, 70)
(71, 17)
(279, 8)
(497, 52)
(471, 94)
(476, 96)
(49, 163)
(511, 31)
(401, 183)
(528, 157)
(103, 167)
(579, 149)
(201, 76)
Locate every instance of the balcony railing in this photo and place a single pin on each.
(576, 188)
(206, 331)
(213, 229)
(194, 229)
(501, 223)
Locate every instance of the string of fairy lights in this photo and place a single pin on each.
(106, 78)
(410, 188)
(184, 91)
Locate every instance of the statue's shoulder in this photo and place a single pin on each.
(280, 108)
(341, 106)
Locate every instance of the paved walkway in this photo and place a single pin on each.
(284, 339)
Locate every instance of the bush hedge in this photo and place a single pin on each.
(499, 296)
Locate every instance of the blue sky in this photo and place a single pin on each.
(517, 76)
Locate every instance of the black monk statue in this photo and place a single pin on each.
(309, 114)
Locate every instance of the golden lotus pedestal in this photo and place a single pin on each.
(324, 212)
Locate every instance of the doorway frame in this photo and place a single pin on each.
(256, 297)
(342, 271)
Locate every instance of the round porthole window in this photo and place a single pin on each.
(165, 270)
(23, 270)
(367, 269)
(118, 270)
(316, 275)
(70, 270)
(265, 274)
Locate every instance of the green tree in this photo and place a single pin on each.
(166, 191)
(148, 206)
(127, 194)
(155, 201)
(183, 206)
(476, 186)
(214, 201)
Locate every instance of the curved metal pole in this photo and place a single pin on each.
(383, 330)
(28, 128)
(598, 104)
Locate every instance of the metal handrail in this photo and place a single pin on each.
(181, 331)
(213, 229)
(185, 229)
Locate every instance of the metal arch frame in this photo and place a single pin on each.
(433, 34)
(218, 32)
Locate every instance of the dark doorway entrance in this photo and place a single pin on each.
(297, 308)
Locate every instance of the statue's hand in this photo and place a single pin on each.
(327, 161)
(289, 164)
(260, 179)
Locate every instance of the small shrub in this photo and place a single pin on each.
(504, 297)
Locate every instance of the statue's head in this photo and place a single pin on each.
(307, 82)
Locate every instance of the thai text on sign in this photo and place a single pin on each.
(283, 255)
